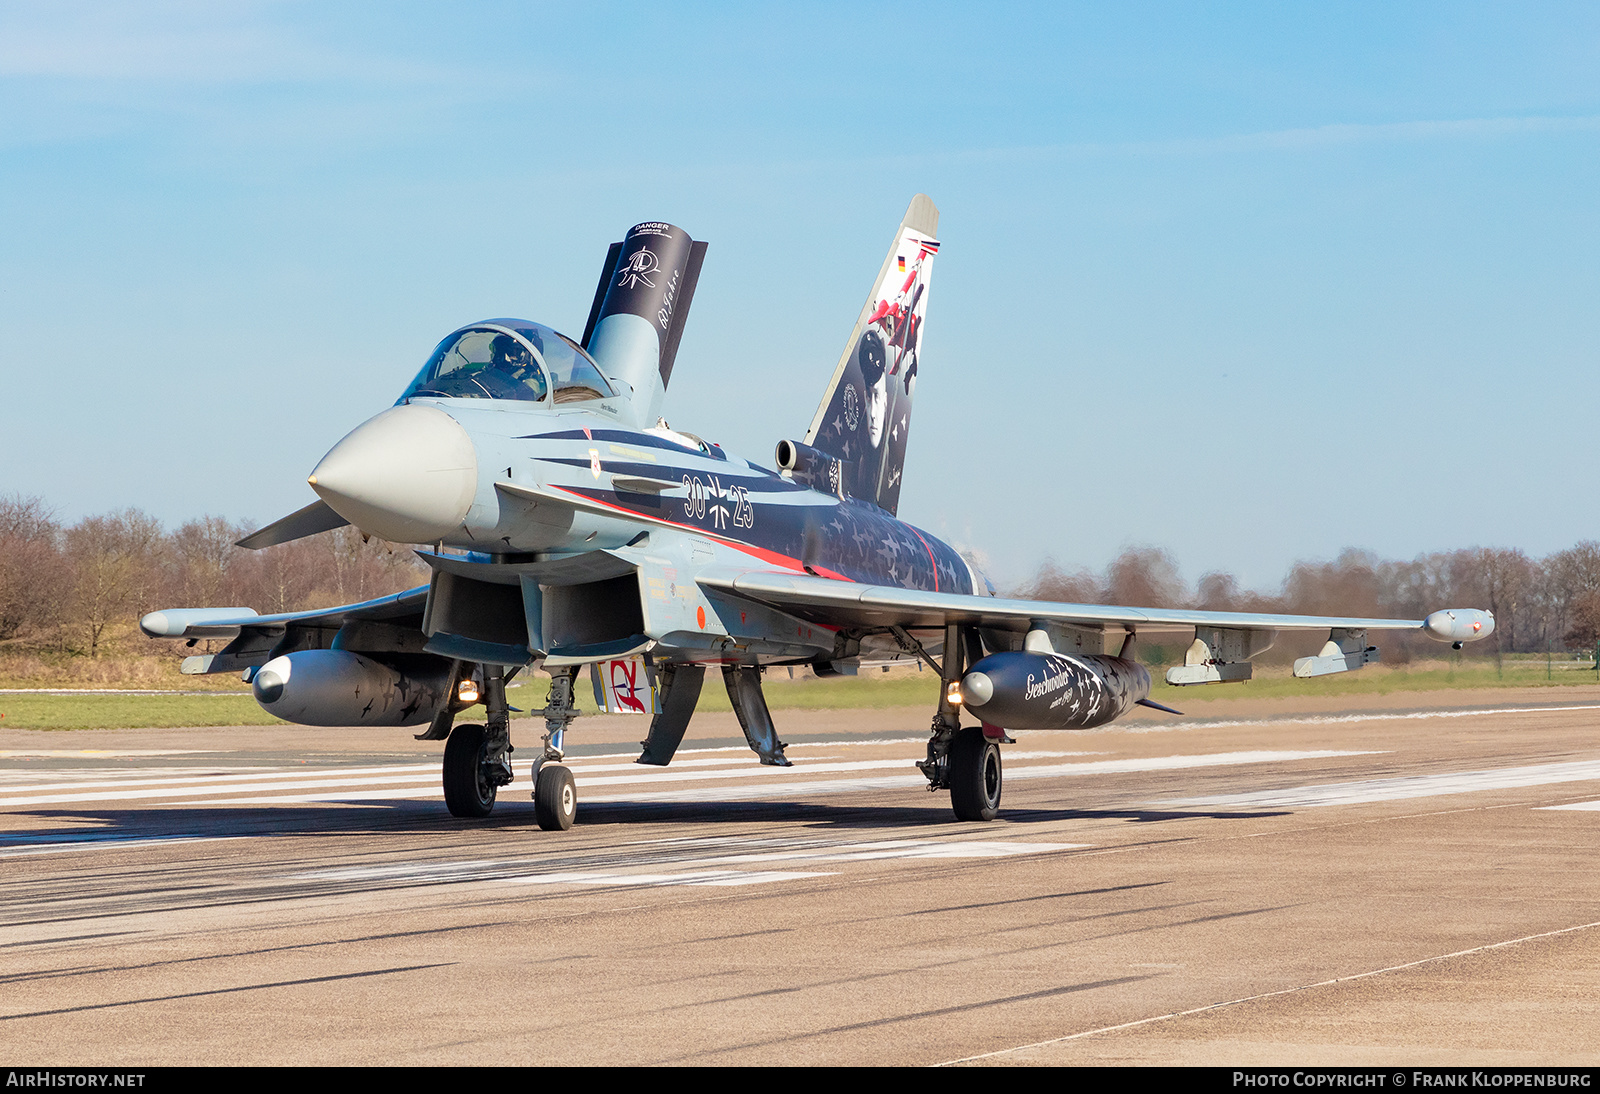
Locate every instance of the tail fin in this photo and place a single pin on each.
(865, 417)
(639, 310)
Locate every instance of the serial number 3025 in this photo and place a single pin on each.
(724, 506)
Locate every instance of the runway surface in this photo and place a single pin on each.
(1409, 879)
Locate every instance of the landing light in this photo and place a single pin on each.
(952, 694)
(467, 692)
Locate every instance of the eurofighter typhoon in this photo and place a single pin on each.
(571, 530)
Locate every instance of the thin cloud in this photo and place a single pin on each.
(1312, 137)
(182, 44)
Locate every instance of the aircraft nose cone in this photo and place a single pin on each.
(407, 475)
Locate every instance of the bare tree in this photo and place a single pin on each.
(1145, 577)
(30, 565)
(113, 569)
(1585, 628)
(1052, 583)
(1347, 586)
(1505, 580)
(203, 551)
(1568, 575)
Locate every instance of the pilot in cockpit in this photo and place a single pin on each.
(510, 358)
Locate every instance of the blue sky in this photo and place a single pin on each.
(1250, 282)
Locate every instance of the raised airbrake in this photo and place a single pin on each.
(569, 528)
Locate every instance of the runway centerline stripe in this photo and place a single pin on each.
(1273, 994)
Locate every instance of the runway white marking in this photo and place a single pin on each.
(1344, 719)
(90, 780)
(53, 845)
(689, 861)
(702, 877)
(99, 753)
(783, 850)
(917, 781)
(1400, 787)
(1586, 807)
(421, 781)
(284, 781)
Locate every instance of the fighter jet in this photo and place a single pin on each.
(569, 528)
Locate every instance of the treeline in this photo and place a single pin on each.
(76, 588)
(80, 588)
(1538, 603)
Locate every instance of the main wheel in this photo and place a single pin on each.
(555, 798)
(466, 791)
(974, 775)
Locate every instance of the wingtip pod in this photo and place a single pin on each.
(1459, 625)
(194, 622)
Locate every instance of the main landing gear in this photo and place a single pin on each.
(477, 759)
(974, 774)
(964, 760)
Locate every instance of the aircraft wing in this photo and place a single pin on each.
(1227, 635)
(829, 601)
(255, 639)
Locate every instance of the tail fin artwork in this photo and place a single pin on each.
(865, 417)
(639, 310)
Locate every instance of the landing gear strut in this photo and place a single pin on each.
(555, 795)
(477, 758)
(964, 761)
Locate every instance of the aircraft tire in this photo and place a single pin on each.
(466, 792)
(555, 798)
(975, 781)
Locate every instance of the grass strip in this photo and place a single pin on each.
(869, 691)
(129, 711)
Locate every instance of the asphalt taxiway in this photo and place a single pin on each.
(1407, 879)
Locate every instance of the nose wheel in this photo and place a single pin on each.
(974, 774)
(555, 798)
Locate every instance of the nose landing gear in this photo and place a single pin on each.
(555, 794)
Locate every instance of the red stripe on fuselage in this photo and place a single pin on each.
(765, 555)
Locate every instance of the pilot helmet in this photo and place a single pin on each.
(506, 352)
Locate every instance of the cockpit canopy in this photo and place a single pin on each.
(509, 359)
